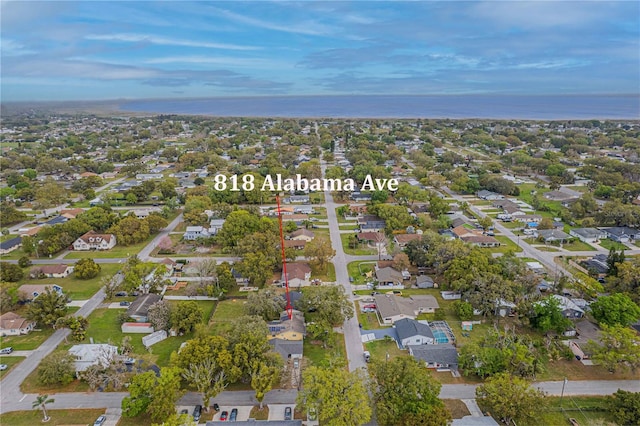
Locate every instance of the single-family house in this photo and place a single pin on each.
(588, 235)
(412, 332)
(371, 223)
(51, 271)
(10, 245)
(304, 209)
(139, 309)
(298, 219)
(149, 176)
(295, 244)
(90, 354)
(71, 213)
(439, 357)
(31, 291)
(287, 349)
(29, 232)
(569, 308)
(94, 241)
(553, 235)
(56, 221)
(401, 240)
(12, 324)
(488, 195)
(287, 328)
(360, 196)
(388, 277)
(300, 199)
(298, 274)
(195, 232)
(302, 234)
(392, 308)
(622, 234)
(215, 225)
(424, 281)
(598, 264)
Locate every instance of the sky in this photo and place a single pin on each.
(88, 50)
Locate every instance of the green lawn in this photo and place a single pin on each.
(11, 362)
(328, 276)
(225, 312)
(348, 227)
(586, 410)
(577, 245)
(609, 244)
(363, 250)
(27, 342)
(78, 289)
(506, 245)
(355, 270)
(369, 320)
(380, 348)
(318, 355)
(58, 417)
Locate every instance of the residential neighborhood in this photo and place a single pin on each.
(140, 272)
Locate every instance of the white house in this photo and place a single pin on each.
(12, 324)
(31, 291)
(195, 232)
(412, 332)
(94, 241)
(93, 354)
(215, 226)
(298, 274)
(588, 235)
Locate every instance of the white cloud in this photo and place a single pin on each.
(141, 38)
(221, 60)
(306, 28)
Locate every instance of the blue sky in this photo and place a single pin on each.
(87, 50)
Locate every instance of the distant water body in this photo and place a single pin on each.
(455, 107)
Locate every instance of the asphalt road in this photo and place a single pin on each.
(353, 342)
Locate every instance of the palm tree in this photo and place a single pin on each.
(41, 402)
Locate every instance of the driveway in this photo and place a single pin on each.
(276, 411)
(244, 411)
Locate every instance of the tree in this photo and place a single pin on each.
(130, 230)
(154, 395)
(319, 252)
(207, 377)
(159, 315)
(615, 309)
(265, 303)
(485, 222)
(617, 348)
(403, 391)
(10, 272)
(545, 223)
(339, 397)
(51, 193)
(625, 407)
(401, 261)
(511, 398)
(47, 308)
(248, 338)
(547, 315)
(613, 260)
(77, 324)
(156, 223)
(463, 309)
(216, 348)
(628, 280)
(24, 262)
(263, 377)
(86, 269)
(185, 316)
(330, 303)
(205, 269)
(177, 420)
(57, 369)
(41, 402)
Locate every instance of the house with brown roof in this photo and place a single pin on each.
(12, 324)
(299, 274)
(475, 237)
(403, 239)
(94, 241)
(51, 271)
(71, 213)
(29, 232)
(31, 291)
(303, 234)
(295, 244)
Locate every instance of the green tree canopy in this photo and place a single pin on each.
(615, 309)
(510, 398)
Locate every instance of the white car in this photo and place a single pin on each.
(3, 367)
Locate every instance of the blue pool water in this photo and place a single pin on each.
(440, 336)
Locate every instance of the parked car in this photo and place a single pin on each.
(3, 367)
(216, 407)
(223, 416)
(234, 415)
(184, 411)
(100, 421)
(125, 303)
(396, 292)
(287, 413)
(197, 412)
(6, 351)
(121, 294)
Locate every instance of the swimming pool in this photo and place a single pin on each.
(440, 336)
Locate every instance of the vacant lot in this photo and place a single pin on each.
(58, 417)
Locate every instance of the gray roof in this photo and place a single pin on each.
(392, 305)
(587, 232)
(141, 305)
(5, 245)
(286, 347)
(441, 354)
(407, 328)
(420, 279)
(388, 274)
(264, 422)
(553, 234)
(474, 421)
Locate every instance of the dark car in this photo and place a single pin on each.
(197, 412)
(234, 415)
(216, 407)
(223, 416)
(287, 413)
(125, 303)
(100, 421)
(121, 294)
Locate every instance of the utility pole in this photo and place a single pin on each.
(562, 393)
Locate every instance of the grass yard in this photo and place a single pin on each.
(578, 245)
(348, 227)
(586, 410)
(369, 320)
(27, 342)
(355, 269)
(141, 420)
(319, 355)
(456, 407)
(363, 250)
(78, 289)
(32, 385)
(258, 414)
(58, 417)
(115, 253)
(575, 370)
(609, 244)
(328, 276)
(506, 245)
(380, 348)
(11, 362)
(225, 312)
